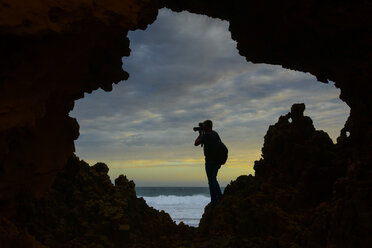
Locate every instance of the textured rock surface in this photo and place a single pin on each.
(52, 52)
(13, 236)
(84, 209)
(303, 194)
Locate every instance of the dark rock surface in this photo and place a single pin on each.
(13, 236)
(52, 52)
(84, 209)
(303, 194)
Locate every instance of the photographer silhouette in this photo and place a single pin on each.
(210, 140)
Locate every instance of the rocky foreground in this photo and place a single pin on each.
(84, 209)
(305, 194)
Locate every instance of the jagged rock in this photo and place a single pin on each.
(302, 196)
(295, 154)
(12, 236)
(52, 52)
(290, 201)
(83, 208)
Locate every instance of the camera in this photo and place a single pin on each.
(199, 128)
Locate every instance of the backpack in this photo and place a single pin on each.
(221, 152)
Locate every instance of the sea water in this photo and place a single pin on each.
(184, 204)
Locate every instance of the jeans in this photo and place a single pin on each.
(214, 188)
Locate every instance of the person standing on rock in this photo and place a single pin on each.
(209, 139)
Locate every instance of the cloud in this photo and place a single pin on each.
(184, 69)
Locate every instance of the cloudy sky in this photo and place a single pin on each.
(185, 69)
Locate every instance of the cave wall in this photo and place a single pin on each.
(330, 39)
(55, 51)
(52, 52)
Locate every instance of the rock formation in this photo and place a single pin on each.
(301, 196)
(53, 52)
(84, 209)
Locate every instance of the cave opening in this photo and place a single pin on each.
(306, 192)
(184, 69)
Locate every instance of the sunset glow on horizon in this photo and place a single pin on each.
(184, 69)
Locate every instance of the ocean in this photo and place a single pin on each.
(184, 204)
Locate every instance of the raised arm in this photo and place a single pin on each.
(198, 140)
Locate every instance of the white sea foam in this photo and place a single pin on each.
(188, 209)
